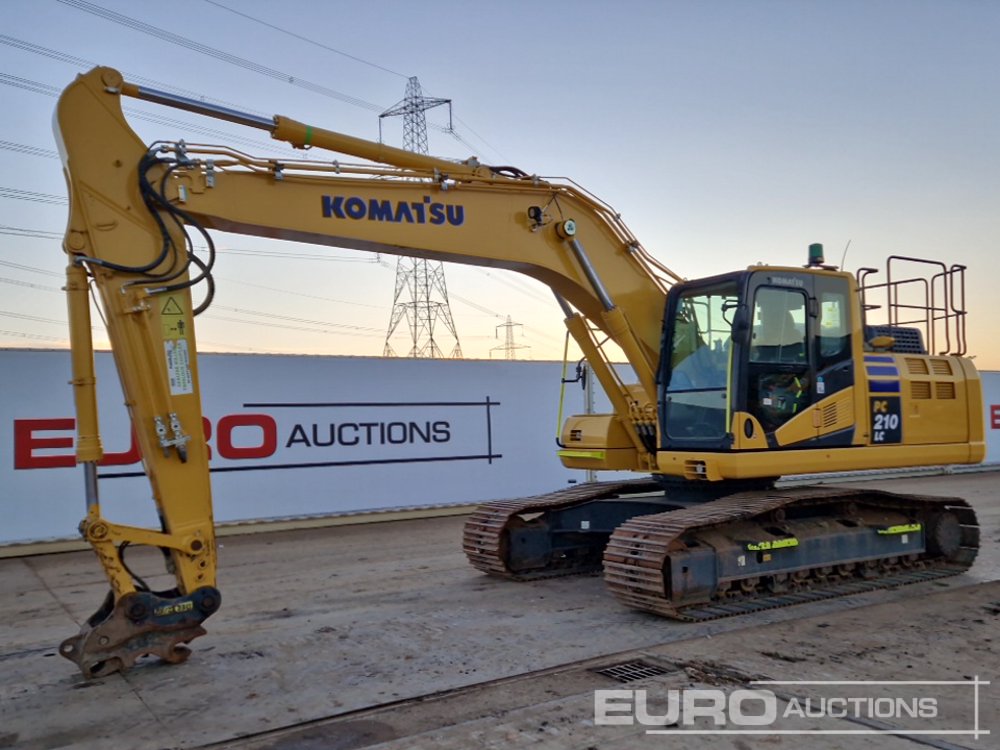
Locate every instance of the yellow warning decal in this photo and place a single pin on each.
(173, 317)
(599, 455)
(772, 544)
(174, 609)
(903, 528)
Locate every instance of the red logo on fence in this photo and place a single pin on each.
(36, 440)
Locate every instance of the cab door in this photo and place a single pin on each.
(796, 379)
(779, 369)
(697, 364)
(833, 351)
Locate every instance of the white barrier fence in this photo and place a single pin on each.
(299, 436)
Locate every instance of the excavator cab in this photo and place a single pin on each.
(745, 355)
(765, 372)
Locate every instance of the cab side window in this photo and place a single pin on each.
(834, 331)
(779, 383)
(834, 363)
(779, 332)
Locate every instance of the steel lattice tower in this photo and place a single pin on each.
(421, 295)
(509, 348)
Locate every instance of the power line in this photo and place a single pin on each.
(37, 336)
(41, 234)
(202, 342)
(85, 64)
(226, 57)
(476, 306)
(30, 195)
(495, 314)
(451, 131)
(45, 89)
(20, 267)
(350, 330)
(51, 53)
(298, 294)
(305, 39)
(33, 233)
(461, 140)
(240, 311)
(270, 324)
(33, 318)
(515, 282)
(21, 148)
(259, 313)
(54, 235)
(18, 282)
(294, 256)
(37, 87)
(358, 330)
(32, 86)
(241, 62)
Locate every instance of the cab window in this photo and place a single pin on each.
(834, 333)
(700, 351)
(779, 332)
(779, 382)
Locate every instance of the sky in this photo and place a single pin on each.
(726, 133)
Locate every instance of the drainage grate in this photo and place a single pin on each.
(631, 671)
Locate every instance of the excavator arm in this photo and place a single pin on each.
(136, 213)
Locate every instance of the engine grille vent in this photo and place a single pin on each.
(944, 390)
(941, 367)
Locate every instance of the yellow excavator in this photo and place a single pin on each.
(740, 378)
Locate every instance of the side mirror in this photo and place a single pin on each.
(741, 326)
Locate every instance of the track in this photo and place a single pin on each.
(651, 562)
(484, 537)
(641, 550)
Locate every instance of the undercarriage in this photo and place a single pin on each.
(688, 558)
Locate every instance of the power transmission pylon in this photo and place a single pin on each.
(421, 292)
(509, 347)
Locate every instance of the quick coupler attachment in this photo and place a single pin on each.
(140, 623)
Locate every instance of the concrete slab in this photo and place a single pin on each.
(555, 708)
(337, 620)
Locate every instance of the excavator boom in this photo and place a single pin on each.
(131, 208)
